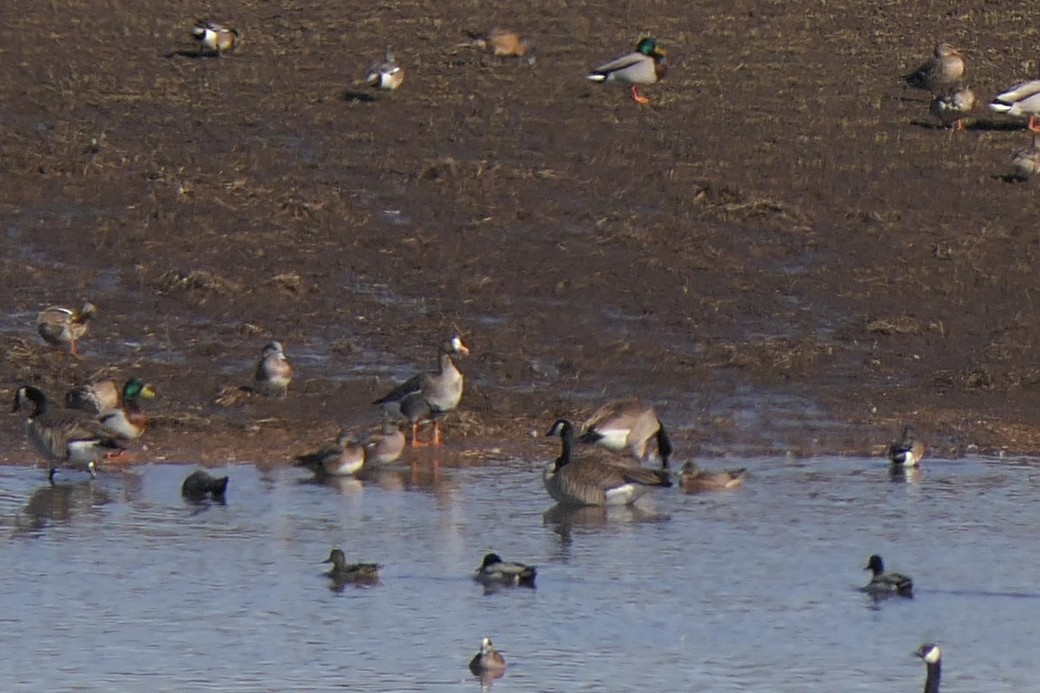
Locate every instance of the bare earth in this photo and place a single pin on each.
(783, 252)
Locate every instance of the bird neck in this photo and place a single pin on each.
(931, 684)
(567, 447)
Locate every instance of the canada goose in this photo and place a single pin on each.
(201, 483)
(387, 74)
(215, 38)
(627, 424)
(1021, 100)
(883, 584)
(345, 458)
(341, 571)
(931, 655)
(127, 420)
(494, 571)
(907, 451)
(488, 661)
(645, 65)
(62, 441)
(273, 371)
(944, 69)
(693, 479)
(590, 481)
(61, 326)
(428, 395)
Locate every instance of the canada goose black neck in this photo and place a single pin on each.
(26, 394)
(931, 655)
(664, 446)
(565, 430)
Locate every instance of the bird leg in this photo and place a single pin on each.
(639, 98)
(415, 436)
(1033, 125)
(437, 433)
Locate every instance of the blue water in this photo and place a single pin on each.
(118, 584)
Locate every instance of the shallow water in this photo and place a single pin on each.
(118, 584)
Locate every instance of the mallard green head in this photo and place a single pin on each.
(135, 388)
(648, 46)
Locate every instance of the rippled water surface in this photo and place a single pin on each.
(117, 584)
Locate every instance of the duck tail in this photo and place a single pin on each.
(664, 445)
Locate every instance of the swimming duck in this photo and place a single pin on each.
(345, 458)
(428, 395)
(943, 70)
(341, 571)
(931, 655)
(61, 326)
(127, 420)
(627, 424)
(215, 38)
(387, 74)
(692, 478)
(1021, 100)
(201, 483)
(1026, 161)
(94, 397)
(488, 661)
(591, 481)
(645, 65)
(62, 441)
(951, 105)
(883, 584)
(384, 446)
(907, 451)
(501, 43)
(494, 571)
(273, 371)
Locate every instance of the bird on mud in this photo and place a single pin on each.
(501, 43)
(951, 105)
(1026, 162)
(60, 326)
(884, 584)
(273, 371)
(627, 424)
(1021, 100)
(907, 451)
(646, 65)
(386, 75)
(693, 479)
(942, 71)
(214, 38)
(126, 420)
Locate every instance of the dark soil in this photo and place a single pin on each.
(782, 251)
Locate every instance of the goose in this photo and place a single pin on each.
(386, 75)
(493, 571)
(60, 326)
(693, 479)
(127, 421)
(342, 572)
(884, 584)
(1021, 100)
(273, 371)
(488, 661)
(627, 424)
(931, 655)
(201, 483)
(645, 65)
(907, 451)
(345, 458)
(951, 105)
(215, 38)
(944, 69)
(428, 395)
(62, 441)
(590, 481)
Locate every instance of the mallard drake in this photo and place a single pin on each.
(94, 397)
(63, 441)
(428, 395)
(61, 326)
(494, 571)
(951, 105)
(501, 43)
(201, 483)
(215, 38)
(384, 446)
(627, 424)
(345, 458)
(645, 65)
(693, 479)
(1026, 161)
(127, 420)
(1021, 100)
(488, 661)
(943, 70)
(591, 481)
(884, 584)
(341, 571)
(907, 451)
(931, 655)
(387, 74)
(273, 371)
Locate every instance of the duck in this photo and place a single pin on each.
(693, 479)
(501, 43)
(62, 441)
(627, 424)
(428, 395)
(387, 75)
(384, 446)
(126, 420)
(592, 481)
(201, 483)
(345, 458)
(931, 655)
(342, 572)
(907, 451)
(1021, 100)
(60, 326)
(273, 371)
(215, 38)
(1026, 162)
(943, 70)
(645, 65)
(488, 661)
(951, 105)
(884, 584)
(94, 397)
(493, 571)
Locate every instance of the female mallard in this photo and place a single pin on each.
(645, 65)
(951, 105)
(61, 326)
(488, 661)
(493, 571)
(127, 420)
(931, 655)
(201, 483)
(387, 74)
(428, 395)
(628, 424)
(214, 38)
(943, 70)
(345, 458)
(1021, 100)
(273, 371)
(693, 479)
(342, 572)
(62, 441)
(590, 481)
(907, 451)
(884, 584)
